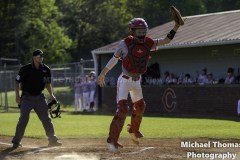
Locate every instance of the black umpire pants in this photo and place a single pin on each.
(39, 104)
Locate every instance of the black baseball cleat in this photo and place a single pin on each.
(54, 143)
(16, 145)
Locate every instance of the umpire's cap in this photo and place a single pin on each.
(38, 52)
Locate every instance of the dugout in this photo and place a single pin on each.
(209, 40)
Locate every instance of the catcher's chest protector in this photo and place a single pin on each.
(138, 55)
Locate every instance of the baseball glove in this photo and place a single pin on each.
(176, 16)
(54, 109)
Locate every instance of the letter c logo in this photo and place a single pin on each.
(169, 99)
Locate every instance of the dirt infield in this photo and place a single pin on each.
(84, 149)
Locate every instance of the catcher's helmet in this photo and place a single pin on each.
(138, 28)
(137, 23)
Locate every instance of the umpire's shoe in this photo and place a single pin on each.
(16, 145)
(54, 143)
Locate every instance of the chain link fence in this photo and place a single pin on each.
(63, 78)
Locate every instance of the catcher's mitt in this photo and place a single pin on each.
(176, 15)
(54, 109)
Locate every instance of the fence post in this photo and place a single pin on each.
(65, 76)
(5, 87)
(82, 67)
(1, 103)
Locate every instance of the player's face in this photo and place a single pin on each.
(140, 34)
(38, 58)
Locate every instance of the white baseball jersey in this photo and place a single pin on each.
(125, 86)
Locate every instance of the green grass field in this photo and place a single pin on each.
(96, 126)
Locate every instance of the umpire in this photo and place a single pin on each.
(33, 78)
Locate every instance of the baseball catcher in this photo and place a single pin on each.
(134, 51)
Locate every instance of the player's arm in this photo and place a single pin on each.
(17, 85)
(17, 89)
(49, 86)
(50, 91)
(177, 17)
(168, 38)
(111, 63)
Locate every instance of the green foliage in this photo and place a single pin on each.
(67, 30)
(33, 24)
(221, 5)
(157, 12)
(93, 23)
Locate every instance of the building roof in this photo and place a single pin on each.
(199, 30)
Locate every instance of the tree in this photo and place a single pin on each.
(30, 25)
(92, 24)
(221, 5)
(70, 29)
(156, 12)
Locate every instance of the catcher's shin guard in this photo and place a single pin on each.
(118, 122)
(136, 118)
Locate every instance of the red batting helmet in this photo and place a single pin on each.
(137, 23)
(134, 25)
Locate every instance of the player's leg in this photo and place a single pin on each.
(85, 98)
(41, 109)
(80, 102)
(25, 109)
(88, 101)
(137, 112)
(76, 102)
(120, 115)
(92, 93)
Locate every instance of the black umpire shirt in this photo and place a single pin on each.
(33, 80)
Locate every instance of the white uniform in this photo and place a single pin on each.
(124, 86)
(202, 79)
(92, 85)
(187, 81)
(78, 94)
(229, 80)
(85, 95)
